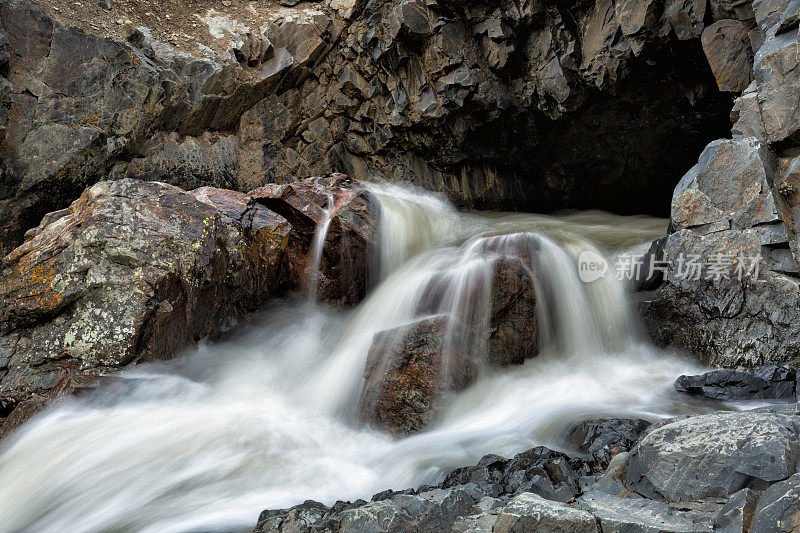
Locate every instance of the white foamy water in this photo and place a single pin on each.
(268, 418)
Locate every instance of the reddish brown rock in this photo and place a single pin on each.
(349, 253)
(512, 337)
(132, 271)
(406, 379)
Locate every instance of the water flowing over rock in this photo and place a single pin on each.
(406, 376)
(484, 308)
(132, 271)
(349, 262)
(513, 337)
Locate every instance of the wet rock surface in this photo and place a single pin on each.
(350, 258)
(604, 438)
(769, 382)
(714, 472)
(513, 336)
(132, 271)
(406, 377)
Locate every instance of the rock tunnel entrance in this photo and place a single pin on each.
(622, 152)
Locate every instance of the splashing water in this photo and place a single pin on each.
(268, 419)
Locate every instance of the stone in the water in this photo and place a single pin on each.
(604, 438)
(408, 373)
(769, 382)
(513, 316)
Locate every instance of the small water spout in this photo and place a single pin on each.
(317, 246)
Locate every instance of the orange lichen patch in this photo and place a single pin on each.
(33, 287)
(260, 249)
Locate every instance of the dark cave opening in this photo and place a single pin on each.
(622, 152)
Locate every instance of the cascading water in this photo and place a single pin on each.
(269, 419)
(317, 246)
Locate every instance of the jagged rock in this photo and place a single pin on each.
(737, 514)
(350, 255)
(132, 271)
(776, 73)
(726, 44)
(713, 455)
(778, 508)
(188, 162)
(432, 510)
(513, 314)
(542, 471)
(769, 382)
(302, 34)
(82, 103)
(405, 376)
(299, 518)
(460, 97)
(529, 512)
(727, 188)
(724, 208)
(634, 514)
(604, 438)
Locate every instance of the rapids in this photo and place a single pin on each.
(268, 417)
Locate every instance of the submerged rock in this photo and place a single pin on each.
(132, 271)
(349, 261)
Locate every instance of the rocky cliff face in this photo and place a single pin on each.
(740, 201)
(536, 105)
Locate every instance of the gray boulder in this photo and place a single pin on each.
(530, 512)
(745, 314)
(726, 44)
(713, 455)
(778, 508)
(638, 515)
(132, 271)
(768, 382)
(737, 513)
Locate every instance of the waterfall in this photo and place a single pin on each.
(269, 418)
(317, 246)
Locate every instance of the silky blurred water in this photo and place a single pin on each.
(268, 418)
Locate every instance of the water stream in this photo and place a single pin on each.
(269, 417)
